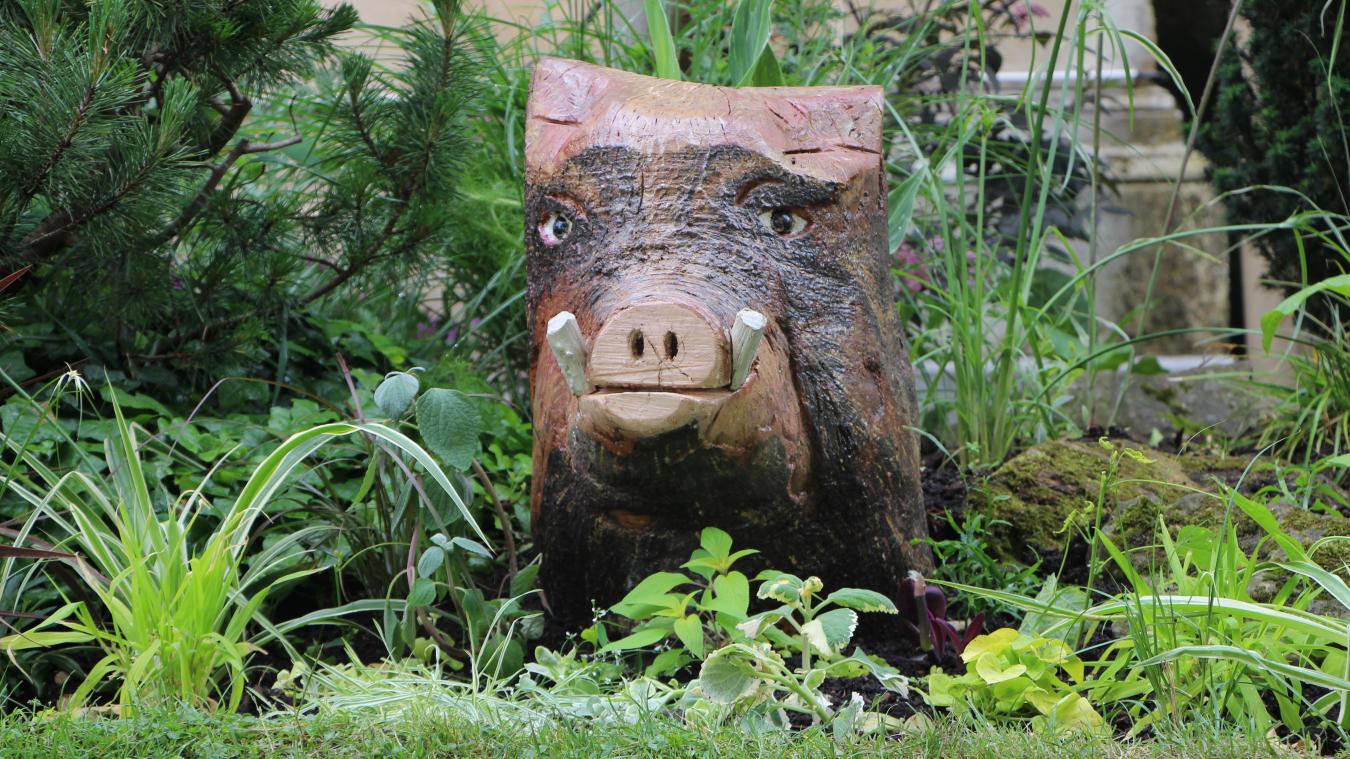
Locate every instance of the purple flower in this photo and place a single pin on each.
(923, 610)
(1021, 12)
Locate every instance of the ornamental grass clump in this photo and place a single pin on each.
(175, 615)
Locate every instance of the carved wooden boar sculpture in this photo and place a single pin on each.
(714, 336)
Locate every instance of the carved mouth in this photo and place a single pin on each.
(642, 413)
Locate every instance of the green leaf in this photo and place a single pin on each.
(650, 595)
(690, 632)
(862, 600)
(395, 393)
(523, 582)
(902, 208)
(724, 678)
(470, 545)
(838, 626)
(423, 593)
(667, 64)
(668, 662)
(750, 29)
(716, 542)
(450, 426)
(784, 588)
(430, 561)
(1149, 366)
(1274, 318)
(991, 669)
(641, 638)
(767, 72)
(731, 595)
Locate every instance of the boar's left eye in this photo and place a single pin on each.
(555, 228)
(783, 222)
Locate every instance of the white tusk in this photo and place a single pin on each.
(746, 333)
(564, 337)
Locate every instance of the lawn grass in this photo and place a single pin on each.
(434, 733)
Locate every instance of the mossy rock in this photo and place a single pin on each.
(1039, 491)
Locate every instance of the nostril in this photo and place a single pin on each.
(672, 345)
(635, 343)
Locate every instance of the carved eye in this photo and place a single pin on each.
(783, 222)
(555, 228)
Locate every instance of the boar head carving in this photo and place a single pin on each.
(713, 332)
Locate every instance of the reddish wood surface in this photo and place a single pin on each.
(691, 196)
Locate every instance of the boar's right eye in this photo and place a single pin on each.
(555, 228)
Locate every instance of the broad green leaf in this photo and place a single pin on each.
(523, 582)
(668, 662)
(450, 424)
(784, 588)
(690, 632)
(430, 561)
(1272, 320)
(993, 643)
(395, 393)
(724, 678)
(423, 593)
(756, 625)
(472, 546)
(750, 29)
(716, 542)
(650, 594)
(667, 64)
(641, 638)
(838, 626)
(991, 669)
(862, 600)
(767, 73)
(731, 595)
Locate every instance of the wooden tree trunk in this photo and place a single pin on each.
(714, 333)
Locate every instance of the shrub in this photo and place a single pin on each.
(1278, 120)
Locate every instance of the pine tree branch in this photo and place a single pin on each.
(231, 120)
(218, 172)
(76, 123)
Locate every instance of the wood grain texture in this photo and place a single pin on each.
(667, 186)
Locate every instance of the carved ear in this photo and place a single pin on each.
(563, 92)
(823, 118)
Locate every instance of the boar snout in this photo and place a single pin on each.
(656, 366)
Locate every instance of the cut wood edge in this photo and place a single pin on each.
(746, 334)
(564, 337)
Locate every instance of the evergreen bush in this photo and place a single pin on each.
(180, 179)
(1278, 120)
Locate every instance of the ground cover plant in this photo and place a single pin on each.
(266, 476)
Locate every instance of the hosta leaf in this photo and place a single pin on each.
(690, 632)
(725, 678)
(450, 425)
(395, 394)
(862, 600)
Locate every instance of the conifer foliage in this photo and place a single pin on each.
(182, 175)
(1280, 120)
